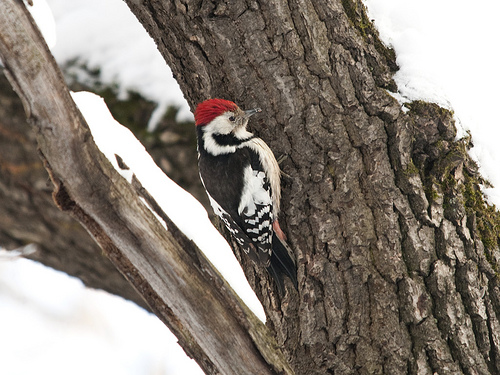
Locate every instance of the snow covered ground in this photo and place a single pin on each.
(51, 324)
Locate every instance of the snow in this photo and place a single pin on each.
(51, 324)
(447, 52)
(109, 37)
(42, 14)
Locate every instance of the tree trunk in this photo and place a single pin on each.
(396, 249)
(382, 207)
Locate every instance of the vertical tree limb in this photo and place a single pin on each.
(381, 206)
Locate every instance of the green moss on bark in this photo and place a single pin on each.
(356, 12)
(448, 171)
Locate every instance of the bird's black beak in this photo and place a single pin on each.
(251, 112)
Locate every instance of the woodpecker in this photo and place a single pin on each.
(242, 179)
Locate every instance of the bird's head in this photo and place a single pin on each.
(219, 116)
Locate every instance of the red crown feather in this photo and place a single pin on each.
(209, 109)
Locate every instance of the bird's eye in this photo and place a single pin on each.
(232, 119)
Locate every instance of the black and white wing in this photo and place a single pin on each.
(238, 233)
(255, 211)
(251, 223)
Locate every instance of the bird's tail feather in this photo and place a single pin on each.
(282, 264)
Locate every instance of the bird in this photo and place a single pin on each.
(242, 179)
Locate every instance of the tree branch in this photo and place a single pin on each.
(180, 286)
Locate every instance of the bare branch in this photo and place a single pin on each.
(180, 286)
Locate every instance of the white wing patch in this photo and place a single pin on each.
(254, 192)
(255, 208)
(271, 168)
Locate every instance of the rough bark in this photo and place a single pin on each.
(396, 249)
(393, 274)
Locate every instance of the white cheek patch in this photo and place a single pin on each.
(221, 124)
(242, 133)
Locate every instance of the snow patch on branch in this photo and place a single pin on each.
(182, 208)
